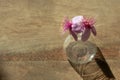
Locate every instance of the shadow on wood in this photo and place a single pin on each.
(97, 69)
(3, 75)
(103, 65)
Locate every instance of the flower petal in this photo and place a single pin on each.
(76, 28)
(74, 35)
(85, 35)
(77, 19)
(93, 31)
(67, 24)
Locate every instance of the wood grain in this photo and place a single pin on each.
(32, 25)
(30, 31)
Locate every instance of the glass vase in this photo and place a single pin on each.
(87, 59)
(79, 52)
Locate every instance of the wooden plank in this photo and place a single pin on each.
(37, 70)
(29, 31)
(33, 25)
(46, 70)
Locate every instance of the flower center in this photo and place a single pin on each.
(87, 24)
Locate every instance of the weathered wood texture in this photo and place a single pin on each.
(30, 31)
(45, 70)
(33, 25)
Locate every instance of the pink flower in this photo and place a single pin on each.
(77, 27)
(67, 25)
(80, 24)
(89, 27)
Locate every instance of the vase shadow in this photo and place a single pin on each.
(104, 65)
(98, 63)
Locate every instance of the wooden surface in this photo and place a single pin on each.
(45, 70)
(33, 25)
(30, 31)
